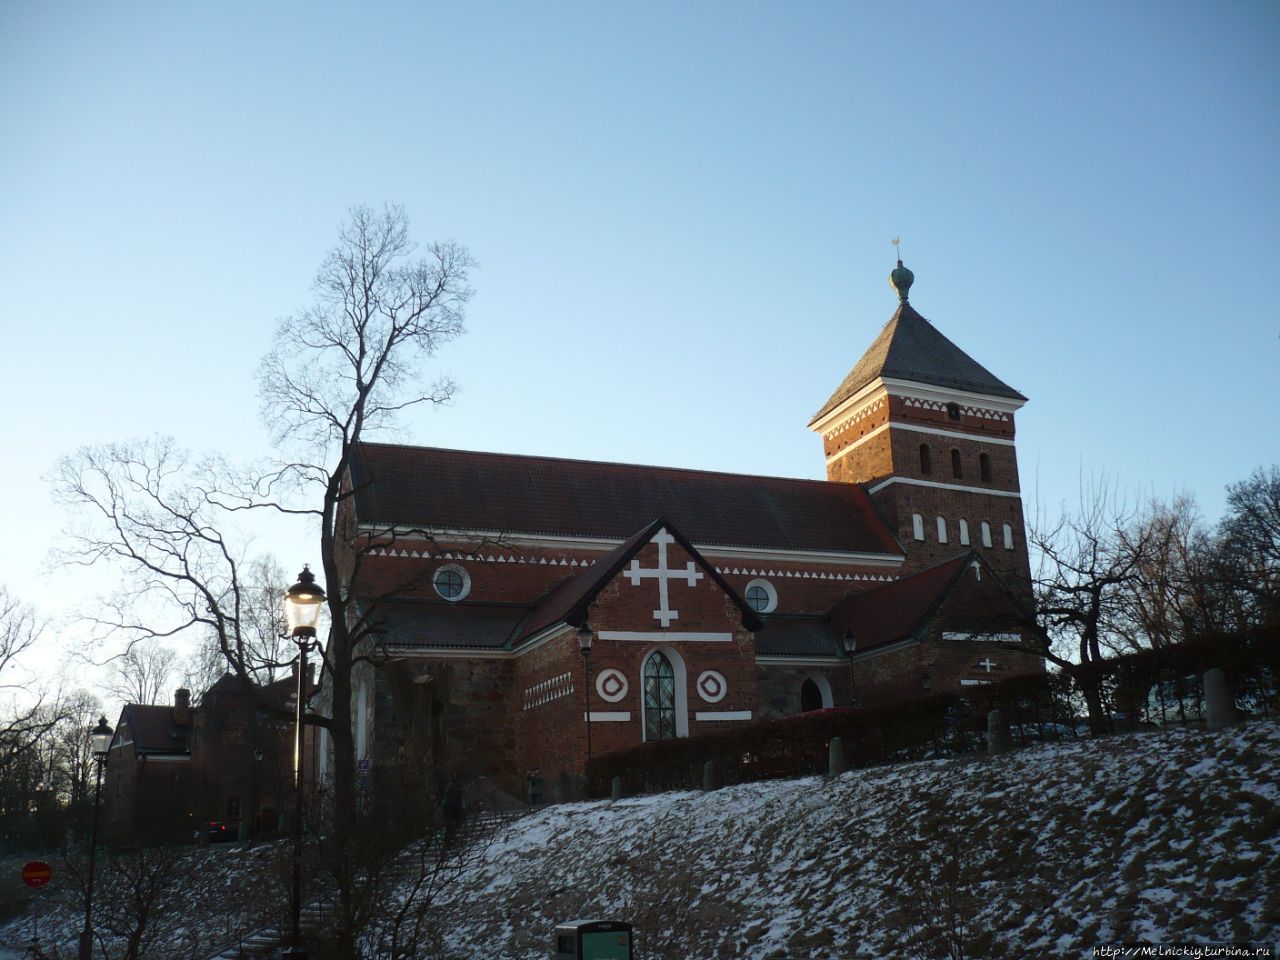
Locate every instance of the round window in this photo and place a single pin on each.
(452, 582)
(760, 596)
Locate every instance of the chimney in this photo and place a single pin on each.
(182, 706)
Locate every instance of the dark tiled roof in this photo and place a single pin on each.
(153, 729)
(429, 623)
(911, 348)
(896, 611)
(788, 637)
(464, 490)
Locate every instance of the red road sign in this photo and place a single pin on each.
(36, 873)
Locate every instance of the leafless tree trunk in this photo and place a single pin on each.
(347, 366)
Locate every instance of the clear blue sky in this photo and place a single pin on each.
(682, 215)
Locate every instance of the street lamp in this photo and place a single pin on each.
(302, 603)
(584, 644)
(850, 641)
(100, 743)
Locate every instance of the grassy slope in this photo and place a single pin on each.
(1157, 837)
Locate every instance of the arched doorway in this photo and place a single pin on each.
(810, 696)
(659, 698)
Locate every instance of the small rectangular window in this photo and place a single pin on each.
(1008, 537)
(942, 529)
(233, 808)
(964, 533)
(986, 534)
(917, 526)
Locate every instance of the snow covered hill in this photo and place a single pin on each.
(1160, 837)
(1047, 852)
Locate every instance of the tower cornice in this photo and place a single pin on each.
(980, 404)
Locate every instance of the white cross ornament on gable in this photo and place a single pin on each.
(662, 573)
(987, 664)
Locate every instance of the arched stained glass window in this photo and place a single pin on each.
(659, 698)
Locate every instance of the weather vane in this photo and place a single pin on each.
(895, 241)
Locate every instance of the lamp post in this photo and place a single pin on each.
(850, 641)
(302, 603)
(100, 741)
(584, 644)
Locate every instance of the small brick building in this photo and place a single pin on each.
(713, 599)
(172, 771)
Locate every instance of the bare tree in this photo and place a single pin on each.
(1087, 565)
(142, 673)
(340, 369)
(24, 718)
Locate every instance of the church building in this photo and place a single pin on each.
(707, 599)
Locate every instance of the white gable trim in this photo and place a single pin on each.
(915, 390)
(670, 636)
(801, 661)
(912, 428)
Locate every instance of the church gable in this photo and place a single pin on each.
(655, 581)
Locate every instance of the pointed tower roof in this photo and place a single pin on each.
(911, 348)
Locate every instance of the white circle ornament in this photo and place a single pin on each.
(712, 686)
(611, 685)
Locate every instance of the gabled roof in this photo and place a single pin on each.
(436, 489)
(568, 602)
(911, 348)
(492, 626)
(153, 728)
(899, 610)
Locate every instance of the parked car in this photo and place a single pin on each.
(220, 832)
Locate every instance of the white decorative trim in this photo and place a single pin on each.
(911, 481)
(985, 413)
(824, 688)
(800, 661)
(722, 715)
(803, 574)
(669, 636)
(927, 391)
(982, 637)
(916, 390)
(771, 595)
(855, 416)
(547, 690)
(608, 716)
(602, 544)
(619, 685)
(451, 653)
(662, 573)
(711, 686)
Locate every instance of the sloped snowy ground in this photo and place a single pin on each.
(1158, 837)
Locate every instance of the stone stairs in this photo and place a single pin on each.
(317, 917)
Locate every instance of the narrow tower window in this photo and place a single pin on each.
(986, 534)
(955, 464)
(942, 529)
(964, 532)
(1008, 537)
(926, 462)
(917, 526)
(953, 411)
(984, 467)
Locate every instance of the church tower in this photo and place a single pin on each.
(929, 432)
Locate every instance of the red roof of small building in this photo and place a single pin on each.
(437, 489)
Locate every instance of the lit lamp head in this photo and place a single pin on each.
(850, 641)
(584, 639)
(302, 603)
(101, 738)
